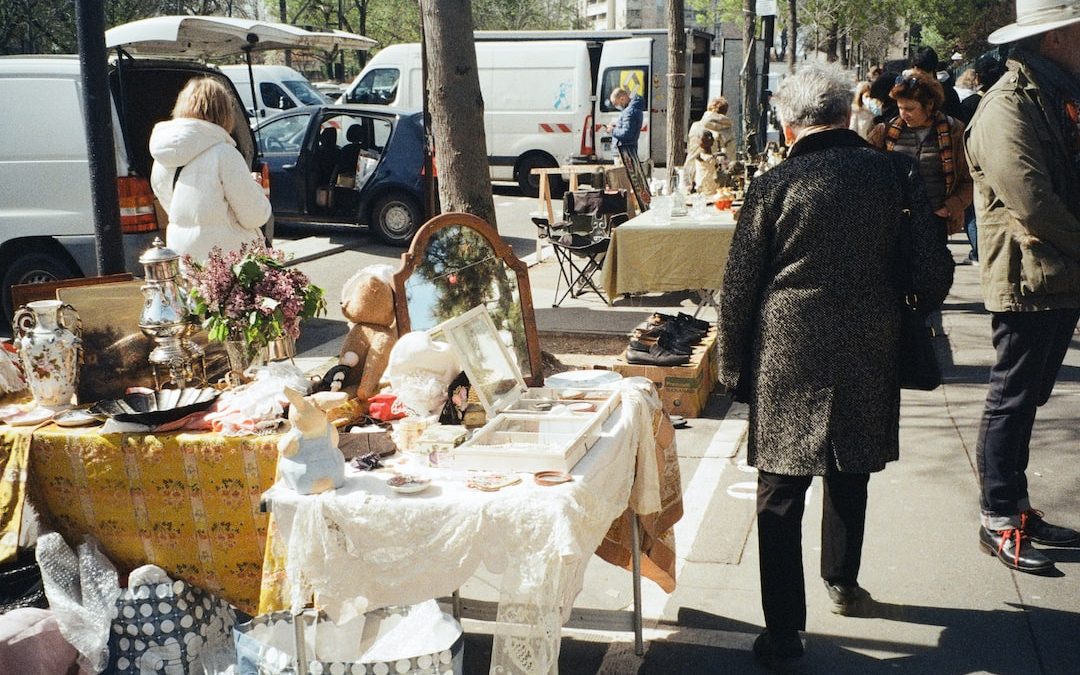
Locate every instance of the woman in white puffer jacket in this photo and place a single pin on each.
(201, 179)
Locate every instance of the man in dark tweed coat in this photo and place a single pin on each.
(810, 316)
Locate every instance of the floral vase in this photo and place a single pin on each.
(241, 358)
(49, 337)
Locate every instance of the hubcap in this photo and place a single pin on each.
(397, 218)
(38, 277)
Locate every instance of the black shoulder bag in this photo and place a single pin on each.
(916, 361)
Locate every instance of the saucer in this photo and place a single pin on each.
(407, 485)
(29, 418)
(582, 379)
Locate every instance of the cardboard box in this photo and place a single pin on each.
(684, 390)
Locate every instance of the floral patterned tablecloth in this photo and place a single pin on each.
(188, 502)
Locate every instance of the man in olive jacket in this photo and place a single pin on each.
(1023, 147)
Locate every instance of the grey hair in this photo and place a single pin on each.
(817, 94)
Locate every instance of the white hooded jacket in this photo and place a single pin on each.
(215, 201)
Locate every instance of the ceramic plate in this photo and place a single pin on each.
(582, 379)
(75, 418)
(30, 417)
(406, 485)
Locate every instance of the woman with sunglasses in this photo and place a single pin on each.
(934, 140)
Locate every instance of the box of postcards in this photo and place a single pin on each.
(528, 429)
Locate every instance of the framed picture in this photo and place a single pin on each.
(484, 357)
(639, 182)
(115, 351)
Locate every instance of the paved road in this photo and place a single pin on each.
(338, 251)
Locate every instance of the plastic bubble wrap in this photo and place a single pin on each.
(82, 588)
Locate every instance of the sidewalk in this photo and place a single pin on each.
(942, 606)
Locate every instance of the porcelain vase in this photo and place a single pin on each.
(49, 338)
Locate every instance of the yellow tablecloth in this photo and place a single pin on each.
(188, 502)
(684, 254)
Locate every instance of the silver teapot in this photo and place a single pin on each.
(165, 318)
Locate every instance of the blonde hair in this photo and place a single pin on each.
(718, 105)
(205, 98)
(617, 93)
(968, 79)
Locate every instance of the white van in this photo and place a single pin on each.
(46, 226)
(546, 93)
(277, 89)
(537, 100)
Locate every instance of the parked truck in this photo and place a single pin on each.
(546, 93)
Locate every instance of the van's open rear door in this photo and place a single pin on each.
(627, 64)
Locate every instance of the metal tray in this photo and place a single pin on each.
(159, 407)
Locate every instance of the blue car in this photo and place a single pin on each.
(351, 164)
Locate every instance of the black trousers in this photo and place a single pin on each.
(1030, 348)
(780, 504)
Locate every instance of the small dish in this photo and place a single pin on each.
(79, 417)
(406, 485)
(30, 417)
(582, 379)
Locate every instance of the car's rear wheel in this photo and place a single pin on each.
(530, 183)
(396, 218)
(32, 267)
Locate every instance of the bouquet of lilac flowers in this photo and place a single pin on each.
(250, 296)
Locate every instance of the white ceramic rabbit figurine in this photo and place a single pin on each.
(310, 461)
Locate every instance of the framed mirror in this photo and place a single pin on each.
(457, 262)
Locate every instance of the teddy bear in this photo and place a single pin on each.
(367, 301)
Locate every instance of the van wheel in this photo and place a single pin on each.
(529, 183)
(31, 268)
(396, 218)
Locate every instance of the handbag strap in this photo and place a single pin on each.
(905, 246)
(176, 176)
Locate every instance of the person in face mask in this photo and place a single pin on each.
(879, 91)
(862, 113)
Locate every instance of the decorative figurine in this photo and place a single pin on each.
(310, 461)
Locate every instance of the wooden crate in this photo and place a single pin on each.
(683, 389)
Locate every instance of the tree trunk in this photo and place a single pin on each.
(283, 17)
(793, 34)
(676, 104)
(457, 108)
(831, 41)
(748, 78)
(844, 60)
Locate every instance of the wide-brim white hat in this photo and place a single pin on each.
(1037, 16)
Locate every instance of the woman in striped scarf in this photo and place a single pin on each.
(934, 140)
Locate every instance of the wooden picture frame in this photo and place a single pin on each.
(639, 182)
(429, 242)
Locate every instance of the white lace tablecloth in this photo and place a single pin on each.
(362, 546)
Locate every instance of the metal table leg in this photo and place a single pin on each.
(635, 558)
(301, 648)
(455, 604)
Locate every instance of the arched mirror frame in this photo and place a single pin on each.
(411, 258)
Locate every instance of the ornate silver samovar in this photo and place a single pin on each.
(166, 319)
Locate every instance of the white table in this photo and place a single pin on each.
(683, 254)
(362, 546)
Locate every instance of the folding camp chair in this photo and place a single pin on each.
(581, 240)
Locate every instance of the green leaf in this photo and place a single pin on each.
(248, 272)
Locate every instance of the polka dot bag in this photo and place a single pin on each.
(166, 627)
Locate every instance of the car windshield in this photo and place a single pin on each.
(377, 86)
(307, 94)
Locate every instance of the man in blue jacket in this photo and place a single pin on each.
(628, 127)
